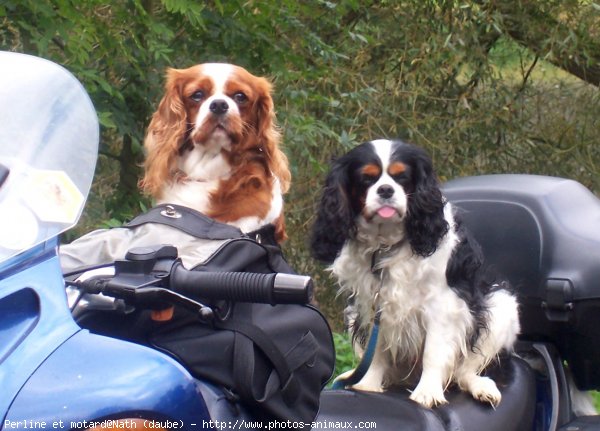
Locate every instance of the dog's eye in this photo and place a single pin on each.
(369, 173)
(240, 98)
(400, 177)
(369, 179)
(197, 96)
(398, 171)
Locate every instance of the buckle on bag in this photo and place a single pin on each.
(170, 212)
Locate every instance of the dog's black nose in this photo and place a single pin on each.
(385, 191)
(219, 106)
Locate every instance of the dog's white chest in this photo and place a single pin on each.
(202, 170)
(407, 289)
(402, 297)
(204, 164)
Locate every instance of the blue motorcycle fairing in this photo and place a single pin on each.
(39, 326)
(52, 370)
(93, 377)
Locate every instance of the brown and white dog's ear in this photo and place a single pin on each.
(269, 135)
(166, 134)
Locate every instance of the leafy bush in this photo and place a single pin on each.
(475, 83)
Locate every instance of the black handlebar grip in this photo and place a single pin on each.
(292, 289)
(274, 288)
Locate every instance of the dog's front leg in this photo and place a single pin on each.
(373, 378)
(372, 381)
(438, 357)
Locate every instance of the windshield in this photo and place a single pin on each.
(48, 150)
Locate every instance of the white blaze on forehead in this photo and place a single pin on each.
(374, 202)
(219, 72)
(383, 149)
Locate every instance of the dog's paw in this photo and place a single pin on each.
(428, 397)
(485, 390)
(343, 376)
(363, 385)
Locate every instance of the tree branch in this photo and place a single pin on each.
(529, 27)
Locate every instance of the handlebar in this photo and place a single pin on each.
(155, 278)
(274, 288)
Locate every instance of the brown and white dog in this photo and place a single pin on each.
(213, 146)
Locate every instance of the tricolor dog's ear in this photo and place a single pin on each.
(335, 222)
(425, 222)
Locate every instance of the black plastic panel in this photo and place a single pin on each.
(543, 234)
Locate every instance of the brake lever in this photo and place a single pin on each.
(150, 296)
(138, 278)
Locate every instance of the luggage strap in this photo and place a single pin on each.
(365, 362)
(199, 225)
(247, 336)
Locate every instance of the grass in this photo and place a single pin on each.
(596, 397)
(344, 354)
(512, 60)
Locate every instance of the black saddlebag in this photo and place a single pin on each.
(543, 234)
(274, 359)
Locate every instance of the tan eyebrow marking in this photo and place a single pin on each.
(396, 168)
(371, 170)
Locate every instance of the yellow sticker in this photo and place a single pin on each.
(52, 196)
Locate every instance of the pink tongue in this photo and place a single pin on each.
(386, 212)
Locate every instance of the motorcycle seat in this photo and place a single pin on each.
(393, 410)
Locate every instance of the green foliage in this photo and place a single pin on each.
(596, 397)
(344, 359)
(472, 82)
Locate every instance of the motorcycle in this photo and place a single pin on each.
(54, 374)
(538, 231)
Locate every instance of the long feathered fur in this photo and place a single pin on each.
(167, 133)
(338, 208)
(442, 319)
(335, 221)
(425, 222)
(226, 164)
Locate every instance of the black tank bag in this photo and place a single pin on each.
(276, 359)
